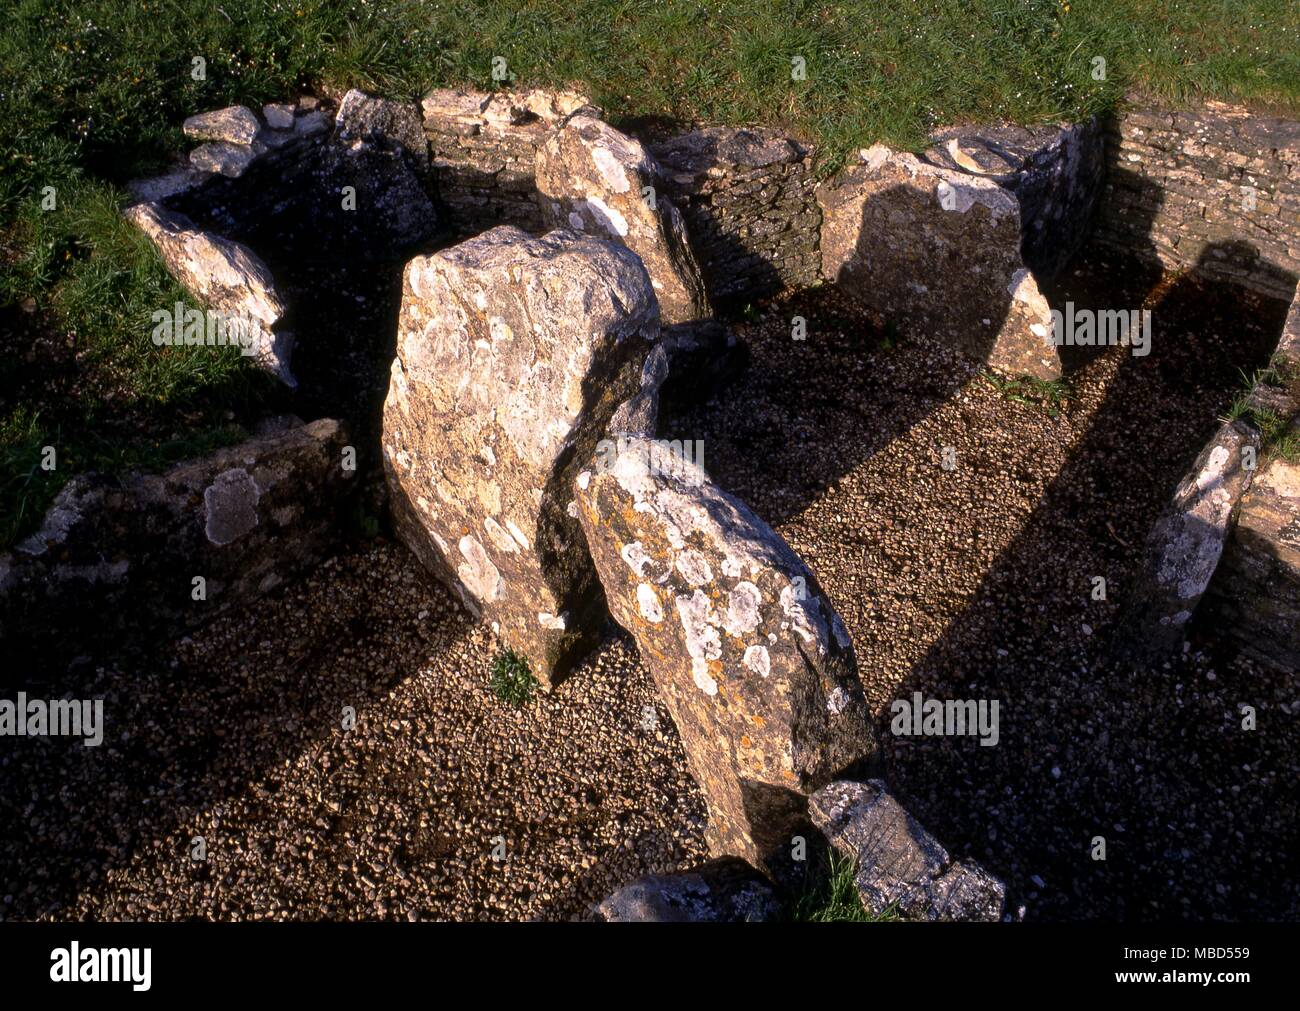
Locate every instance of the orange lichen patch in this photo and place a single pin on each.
(745, 742)
(758, 720)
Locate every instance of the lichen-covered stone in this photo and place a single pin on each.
(595, 179)
(116, 558)
(1185, 543)
(1054, 172)
(512, 354)
(900, 866)
(222, 158)
(235, 124)
(484, 148)
(223, 275)
(752, 661)
(726, 890)
(938, 249)
(278, 115)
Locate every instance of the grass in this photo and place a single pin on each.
(512, 680)
(1049, 394)
(92, 92)
(832, 896)
(1279, 436)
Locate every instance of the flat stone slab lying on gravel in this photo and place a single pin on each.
(512, 355)
(900, 865)
(726, 890)
(750, 658)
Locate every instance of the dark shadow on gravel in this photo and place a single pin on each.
(1195, 826)
(182, 736)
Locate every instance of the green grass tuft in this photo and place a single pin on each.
(512, 680)
(832, 896)
(1049, 394)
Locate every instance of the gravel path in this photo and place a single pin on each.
(236, 738)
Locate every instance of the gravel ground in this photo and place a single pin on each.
(237, 738)
(976, 582)
(966, 582)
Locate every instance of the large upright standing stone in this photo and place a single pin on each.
(593, 178)
(512, 354)
(939, 250)
(754, 665)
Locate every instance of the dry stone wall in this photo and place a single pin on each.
(747, 196)
(118, 558)
(1214, 188)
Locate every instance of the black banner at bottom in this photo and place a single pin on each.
(216, 961)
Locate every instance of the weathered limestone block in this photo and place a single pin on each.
(223, 159)
(753, 663)
(593, 178)
(1054, 172)
(726, 890)
(117, 558)
(939, 249)
(899, 864)
(1255, 597)
(512, 354)
(225, 276)
(484, 148)
(1186, 542)
(364, 118)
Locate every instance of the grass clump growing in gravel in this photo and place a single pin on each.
(1049, 394)
(832, 895)
(512, 680)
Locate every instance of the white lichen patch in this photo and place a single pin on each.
(647, 602)
(694, 568)
(703, 679)
(742, 609)
(700, 626)
(758, 660)
(634, 554)
(499, 536)
(477, 572)
(517, 534)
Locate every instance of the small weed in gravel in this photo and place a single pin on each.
(512, 681)
(1050, 395)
